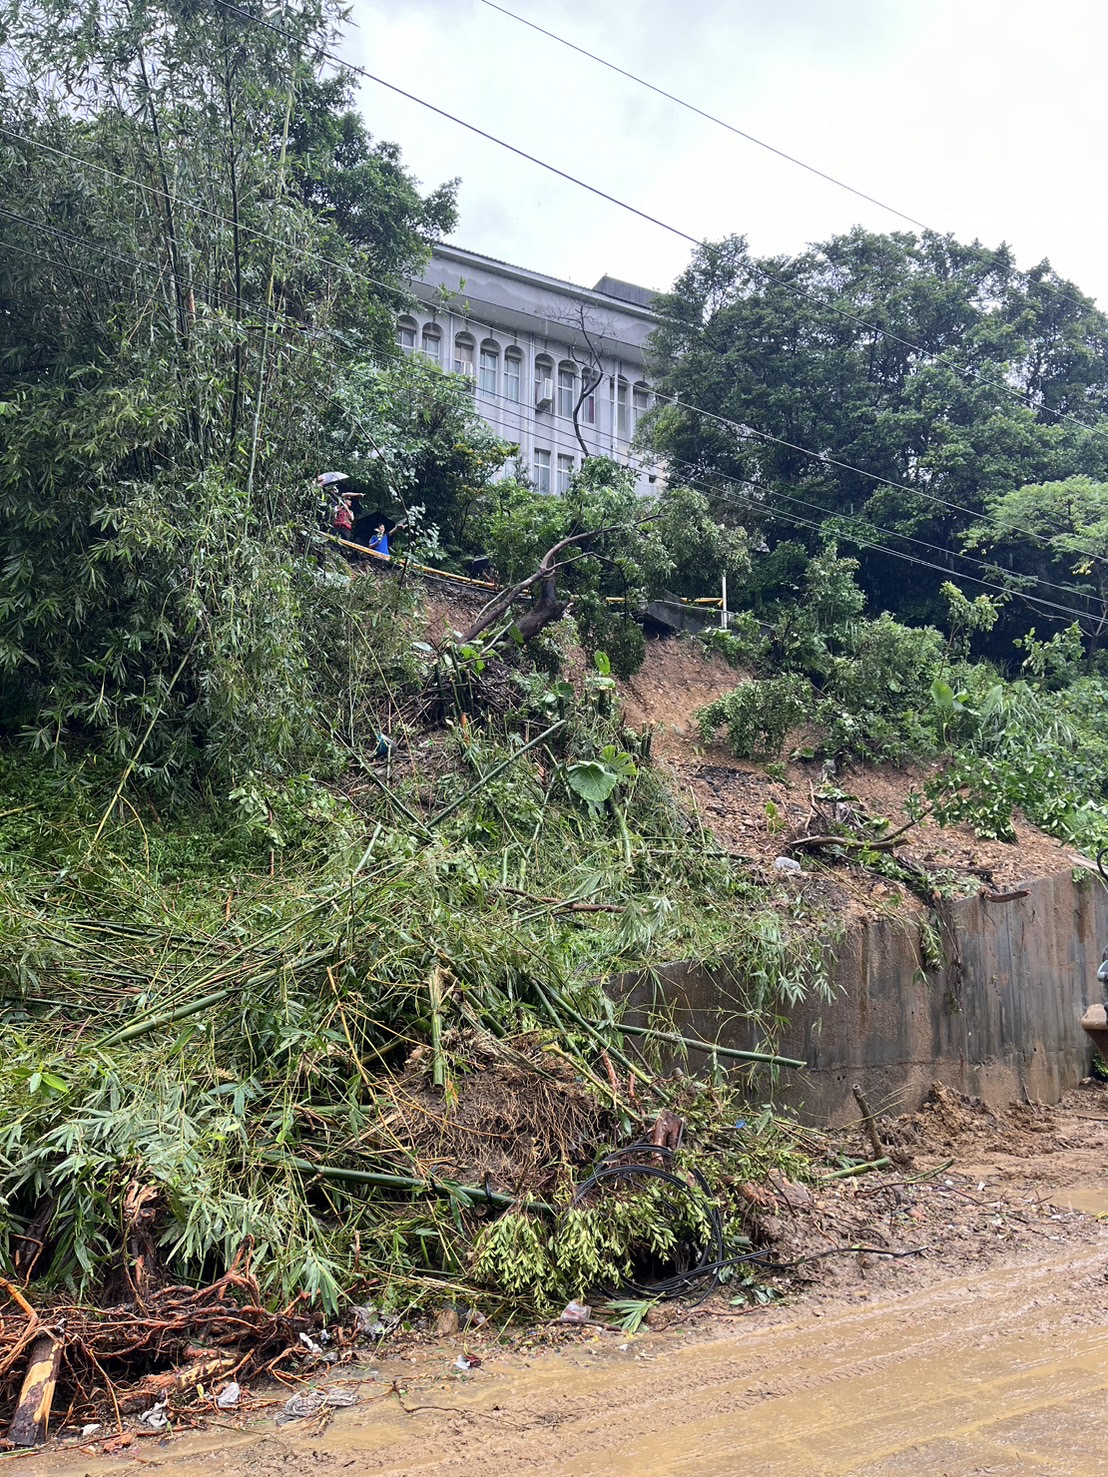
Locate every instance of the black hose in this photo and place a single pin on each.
(707, 1269)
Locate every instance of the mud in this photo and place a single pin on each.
(984, 1355)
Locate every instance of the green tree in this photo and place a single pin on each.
(200, 239)
(625, 550)
(1059, 529)
(936, 365)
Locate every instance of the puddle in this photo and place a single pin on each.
(1089, 1200)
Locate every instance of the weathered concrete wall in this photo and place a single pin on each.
(1006, 1026)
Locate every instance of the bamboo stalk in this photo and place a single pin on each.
(31, 1421)
(711, 1047)
(852, 1169)
(493, 772)
(434, 990)
(338, 1172)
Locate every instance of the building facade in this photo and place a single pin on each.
(552, 365)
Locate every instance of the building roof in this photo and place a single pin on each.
(609, 290)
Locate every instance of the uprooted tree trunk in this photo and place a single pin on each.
(548, 608)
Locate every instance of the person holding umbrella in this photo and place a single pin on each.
(342, 514)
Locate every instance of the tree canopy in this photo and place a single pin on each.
(939, 367)
(200, 237)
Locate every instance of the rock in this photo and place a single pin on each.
(446, 1323)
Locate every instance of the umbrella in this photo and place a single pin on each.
(328, 479)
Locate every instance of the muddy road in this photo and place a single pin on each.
(987, 1354)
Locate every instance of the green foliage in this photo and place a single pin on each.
(758, 715)
(813, 349)
(166, 369)
(1068, 521)
(642, 547)
(410, 437)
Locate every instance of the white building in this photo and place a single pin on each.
(537, 350)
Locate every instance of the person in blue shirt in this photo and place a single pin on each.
(378, 543)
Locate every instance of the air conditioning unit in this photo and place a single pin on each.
(544, 394)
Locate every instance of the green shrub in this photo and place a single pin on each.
(757, 715)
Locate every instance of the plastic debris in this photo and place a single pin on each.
(575, 1313)
(310, 1344)
(467, 1362)
(156, 1417)
(229, 1396)
(91, 1429)
(299, 1407)
(786, 864)
(369, 1324)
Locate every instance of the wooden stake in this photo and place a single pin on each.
(31, 1421)
(870, 1122)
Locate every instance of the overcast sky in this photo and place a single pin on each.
(987, 118)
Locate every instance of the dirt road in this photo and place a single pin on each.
(1002, 1372)
(988, 1354)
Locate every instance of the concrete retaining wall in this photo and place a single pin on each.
(1007, 1025)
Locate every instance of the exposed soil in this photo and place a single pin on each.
(978, 1352)
(753, 813)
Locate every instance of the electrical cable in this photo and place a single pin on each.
(755, 267)
(740, 133)
(863, 543)
(685, 405)
(694, 479)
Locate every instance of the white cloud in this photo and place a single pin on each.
(985, 118)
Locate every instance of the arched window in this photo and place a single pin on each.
(544, 383)
(640, 402)
(490, 367)
(432, 343)
(463, 354)
(623, 422)
(405, 334)
(567, 388)
(513, 371)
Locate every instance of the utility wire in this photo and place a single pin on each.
(274, 316)
(310, 255)
(939, 358)
(701, 113)
(741, 133)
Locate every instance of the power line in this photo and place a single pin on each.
(700, 112)
(682, 102)
(313, 256)
(757, 268)
(283, 318)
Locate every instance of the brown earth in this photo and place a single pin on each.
(979, 1351)
(753, 813)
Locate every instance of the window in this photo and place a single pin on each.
(405, 334)
(544, 383)
(565, 472)
(463, 355)
(489, 380)
(540, 471)
(513, 369)
(567, 388)
(432, 344)
(640, 402)
(623, 424)
(589, 382)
